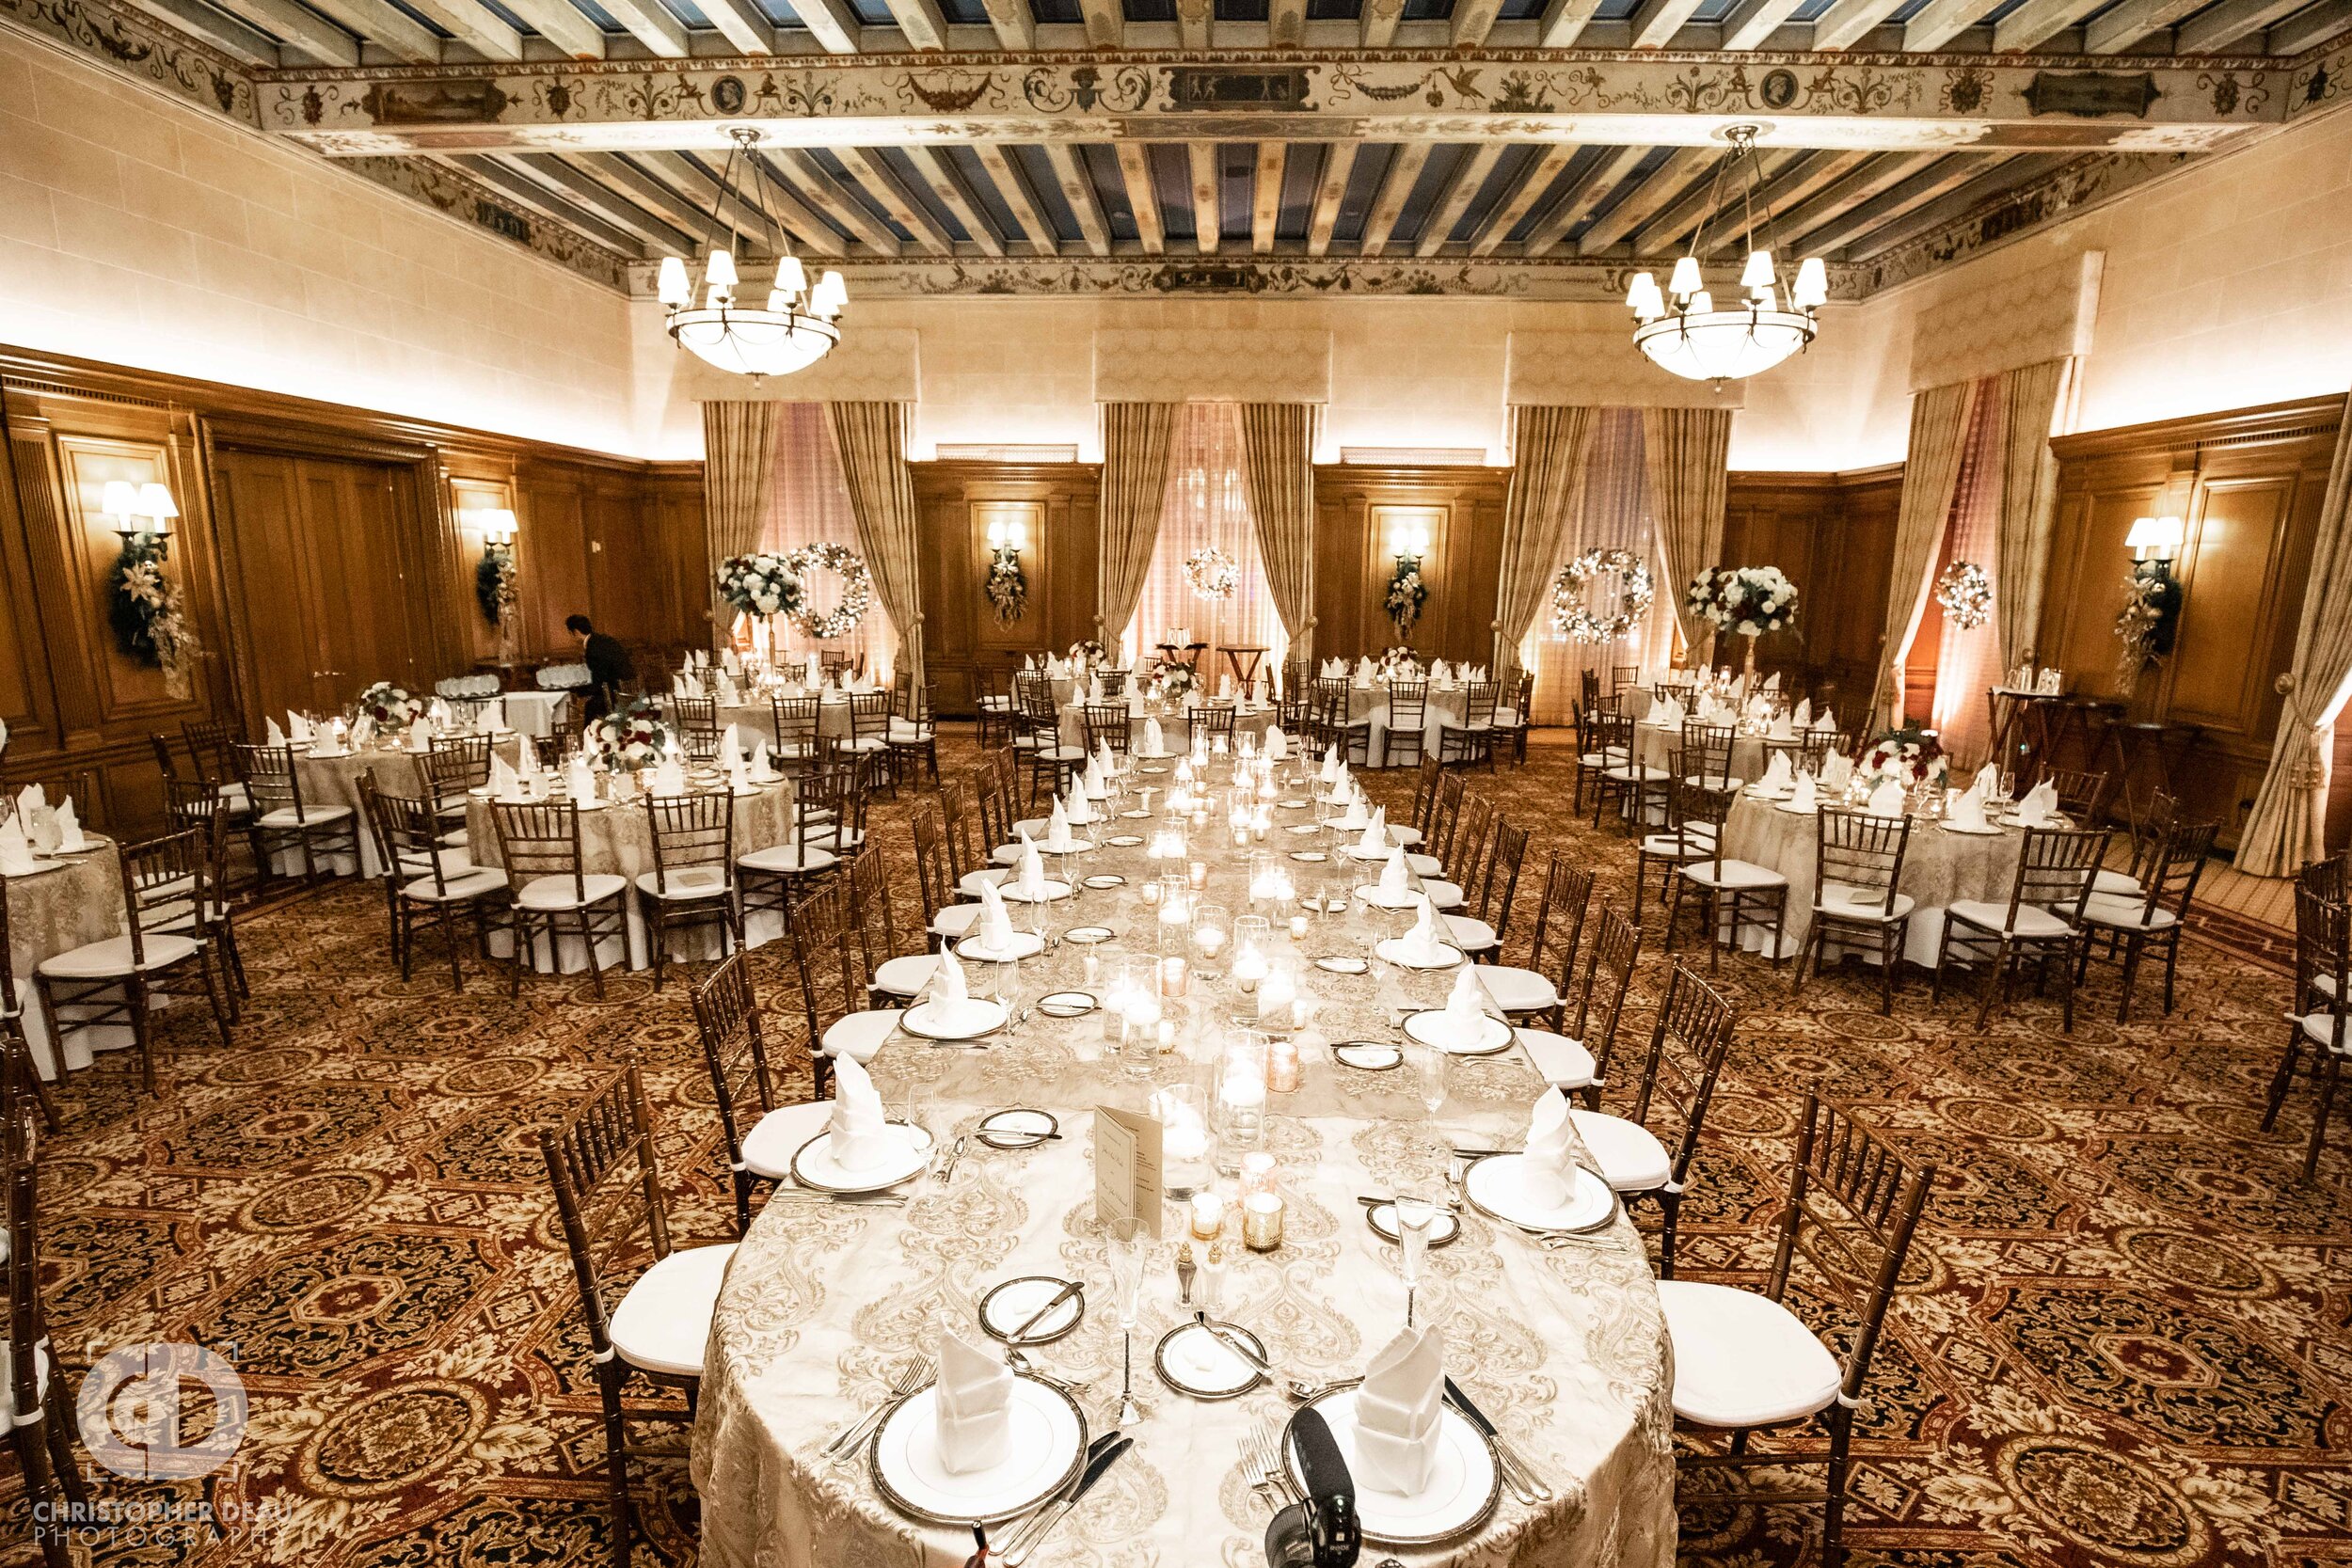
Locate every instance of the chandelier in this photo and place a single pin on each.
(801, 321)
(1700, 342)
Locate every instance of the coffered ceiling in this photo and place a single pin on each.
(1512, 148)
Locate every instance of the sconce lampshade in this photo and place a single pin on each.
(495, 523)
(155, 501)
(2159, 537)
(121, 500)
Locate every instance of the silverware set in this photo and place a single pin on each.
(1263, 1467)
(1517, 1474)
(911, 1378)
(1104, 1452)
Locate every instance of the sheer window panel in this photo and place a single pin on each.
(808, 503)
(1612, 512)
(1967, 662)
(1207, 504)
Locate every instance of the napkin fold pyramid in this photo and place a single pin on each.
(1548, 1170)
(1057, 835)
(1030, 874)
(1778, 775)
(861, 1135)
(1886, 799)
(950, 988)
(2039, 806)
(1375, 839)
(1276, 744)
(1396, 877)
(1465, 1016)
(995, 925)
(1398, 1407)
(274, 736)
(1803, 798)
(1155, 741)
(1422, 943)
(504, 784)
(16, 854)
(975, 1403)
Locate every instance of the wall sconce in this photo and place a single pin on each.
(494, 574)
(2156, 544)
(495, 523)
(2156, 540)
(1007, 536)
(1409, 542)
(137, 509)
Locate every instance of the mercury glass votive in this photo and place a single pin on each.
(1281, 1066)
(1262, 1221)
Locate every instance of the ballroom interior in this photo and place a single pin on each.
(803, 784)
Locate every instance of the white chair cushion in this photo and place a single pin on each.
(1631, 773)
(1423, 865)
(1675, 848)
(860, 1034)
(96, 960)
(40, 1373)
(664, 1322)
(1407, 837)
(1742, 875)
(955, 920)
(1447, 722)
(472, 885)
(788, 857)
(1857, 903)
(969, 885)
(234, 797)
(1741, 1359)
(1720, 786)
(868, 744)
(1516, 991)
(906, 733)
(904, 977)
(1443, 896)
(453, 862)
(996, 704)
(691, 882)
(2118, 884)
(2130, 913)
(310, 817)
(1471, 936)
(1564, 1063)
(2031, 922)
(557, 893)
(1612, 757)
(1631, 1158)
(769, 1147)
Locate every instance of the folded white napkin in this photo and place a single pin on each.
(1056, 832)
(1225, 684)
(492, 717)
(975, 1405)
(730, 745)
(1804, 713)
(504, 785)
(298, 729)
(994, 926)
(1422, 942)
(1395, 875)
(1363, 674)
(1548, 1171)
(948, 986)
(1886, 799)
(1965, 809)
(1334, 667)
(1092, 784)
(1028, 663)
(1667, 715)
(1398, 1407)
(1771, 682)
(1778, 775)
(1155, 743)
(679, 686)
(1375, 839)
(419, 735)
(32, 798)
(1781, 728)
(1759, 709)
(728, 693)
(670, 778)
(1030, 874)
(1465, 1016)
(2040, 803)
(1356, 816)
(1987, 783)
(579, 782)
(16, 853)
(728, 662)
(1276, 744)
(1836, 770)
(812, 674)
(1331, 765)
(1077, 811)
(763, 766)
(68, 830)
(1825, 719)
(526, 758)
(274, 736)
(1800, 799)
(861, 1133)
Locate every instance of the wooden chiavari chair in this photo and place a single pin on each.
(692, 886)
(16, 1045)
(760, 1141)
(936, 873)
(1541, 989)
(1331, 725)
(195, 805)
(697, 720)
(38, 1409)
(1666, 851)
(1687, 1047)
(2081, 793)
(1632, 785)
(868, 742)
(1445, 817)
(2323, 990)
(1464, 860)
(998, 811)
(455, 767)
(2042, 921)
(913, 733)
(554, 889)
(608, 1197)
(1745, 1362)
(283, 821)
(1624, 678)
(894, 973)
(2147, 849)
(1578, 1061)
(213, 745)
(829, 961)
(1512, 723)
(797, 721)
(1404, 721)
(1209, 722)
(2155, 918)
(992, 708)
(1857, 901)
(1425, 800)
(959, 812)
(422, 878)
(823, 800)
(1107, 724)
(1731, 894)
(165, 882)
(1707, 757)
(1472, 739)
(1037, 736)
(1810, 750)
(1480, 933)
(565, 727)
(2327, 878)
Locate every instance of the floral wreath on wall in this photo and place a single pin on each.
(1008, 587)
(1212, 573)
(391, 706)
(758, 584)
(149, 618)
(630, 736)
(857, 590)
(1967, 595)
(1407, 593)
(1574, 619)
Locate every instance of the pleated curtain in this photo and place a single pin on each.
(1136, 439)
(1687, 452)
(2030, 399)
(2285, 831)
(873, 441)
(1939, 438)
(1548, 450)
(1279, 466)
(738, 454)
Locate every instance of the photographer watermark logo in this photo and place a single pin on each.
(162, 1412)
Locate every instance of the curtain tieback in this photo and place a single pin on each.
(2309, 769)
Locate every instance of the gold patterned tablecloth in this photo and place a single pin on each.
(53, 912)
(334, 780)
(1565, 1348)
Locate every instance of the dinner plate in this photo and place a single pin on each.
(1124, 841)
(1358, 852)
(1444, 1231)
(1075, 846)
(1339, 963)
(1797, 810)
(1496, 1187)
(1986, 831)
(1007, 1305)
(1054, 888)
(1429, 1029)
(1302, 828)
(1102, 880)
(1045, 1445)
(1379, 896)
(37, 868)
(1309, 857)
(814, 1166)
(1067, 1003)
(1193, 1360)
(1087, 936)
(1397, 952)
(1368, 1055)
(1025, 944)
(931, 1019)
(1021, 1127)
(1464, 1486)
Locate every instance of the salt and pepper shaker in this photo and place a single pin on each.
(1185, 1269)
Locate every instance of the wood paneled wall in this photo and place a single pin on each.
(1462, 508)
(1834, 534)
(2248, 486)
(320, 549)
(962, 636)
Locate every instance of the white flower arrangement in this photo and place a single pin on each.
(1212, 573)
(1087, 654)
(1397, 664)
(1911, 757)
(1749, 601)
(391, 706)
(759, 584)
(1573, 619)
(857, 589)
(149, 618)
(1175, 678)
(1407, 593)
(1967, 595)
(629, 738)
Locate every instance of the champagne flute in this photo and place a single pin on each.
(1416, 1214)
(1131, 1249)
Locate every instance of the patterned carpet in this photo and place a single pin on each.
(2124, 1342)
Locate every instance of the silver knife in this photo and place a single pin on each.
(1020, 1335)
(1027, 1526)
(1531, 1489)
(1060, 1510)
(1232, 1341)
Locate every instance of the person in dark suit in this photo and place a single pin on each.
(608, 666)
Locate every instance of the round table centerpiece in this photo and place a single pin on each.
(1748, 601)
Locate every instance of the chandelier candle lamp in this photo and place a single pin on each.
(1683, 330)
(801, 322)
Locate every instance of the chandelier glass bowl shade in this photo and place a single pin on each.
(1682, 329)
(800, 320)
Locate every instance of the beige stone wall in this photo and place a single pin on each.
(138, 230)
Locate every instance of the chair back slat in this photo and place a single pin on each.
(796, 719)
(1478, 705)
(540, 838)
(407, 834)
(734, 1048)
(456, 763)
(1499, 888)
(935, 877)
(1600, 1000)
(959, 806)
(1559, 921)
(691, 832)
(1408, 705)
(1106, 724)
(827, 960)
(1687, 1047)
(2323, 958)
(1864, 853)
(272, 783)
(2055, 870)
(608, 1190)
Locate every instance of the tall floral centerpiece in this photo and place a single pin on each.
(1748, 601)
(760, 585)
(630, 736)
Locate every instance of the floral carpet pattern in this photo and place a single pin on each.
(2125, 1338)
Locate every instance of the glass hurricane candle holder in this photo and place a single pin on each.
(1212, 935)
(1281, 1066)
(1240, 1095)
(1276, 994)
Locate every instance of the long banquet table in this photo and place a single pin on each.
(1565, 1348)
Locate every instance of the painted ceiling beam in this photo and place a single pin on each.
(1942, 175)
(563, 25)
(1078, 189)
(1106, 24)
(1574, 203)
(1468, 178)
(1849, 21)
(1376, 26)
(1013, 189)
(1143, 197)
(477, 25)
(1266, 196)
(814, 183)
(1015, 23)
(652, 24)
(2222, 25)
(1664, 230)
(209, 24)
(1883, 172)
(1657, 21)
(2132, 21)
(1338, 162)
(2307, 29)
(904, 210)
(921, 21)
(1473, 20)
(2003, 176)
(518, 187)
(1206, 203)
(1650, 197)
(742, 24)
(1403, 171)
(1286, 23)
(1756, 21)
(305, 34)
(940, 175)
(2030, 24)
(1565, 21)
(608, 204)
(1938, 22)
(831, 23)
(1505, 215)
(701, 189)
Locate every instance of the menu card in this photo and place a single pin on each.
(1127, 1170)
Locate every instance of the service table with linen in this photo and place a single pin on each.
(1941, 867)
(333, 780)
(77, 902)
(533, 712)
(1563, 1348)
(616, 839)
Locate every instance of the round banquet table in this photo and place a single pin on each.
(617, 839)
(1565, 1349)
(1175, 721)
(1940, 868)
(54, 912)
(334, 780)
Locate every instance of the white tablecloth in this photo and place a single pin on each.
(55, 911)
(533, 712)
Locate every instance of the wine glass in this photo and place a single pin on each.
(916, 1110)
(1004, 989)
(1416, 1215)
(1428, 1064)
(1131, 1250)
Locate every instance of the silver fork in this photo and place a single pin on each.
(1257, 1469)
(1270, 1441)
(909, 1379)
